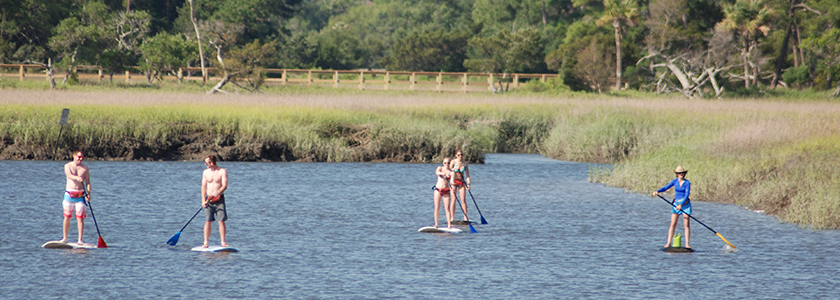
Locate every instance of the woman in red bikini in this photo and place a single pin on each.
(442, 191)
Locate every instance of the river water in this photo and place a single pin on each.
(349, 231)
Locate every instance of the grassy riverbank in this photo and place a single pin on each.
(777, 156)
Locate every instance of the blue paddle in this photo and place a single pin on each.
(174, 239)
(476, 207)
(472, 229)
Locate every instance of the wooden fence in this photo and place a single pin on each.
(361, 79)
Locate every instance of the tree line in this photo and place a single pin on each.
(697, 48)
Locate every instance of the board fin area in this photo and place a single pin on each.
(214, 249)
(677, 250)
(432, 229)
(61, 245)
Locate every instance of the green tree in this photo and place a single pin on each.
(826, 48)
(164, 52)
(438, 50)
(505, 52)
(619, 13)
(747, 18)
(593, 65)
(76, 40)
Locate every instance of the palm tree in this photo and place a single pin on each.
(620, 13)
(746, 18)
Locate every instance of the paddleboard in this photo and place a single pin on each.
(214, 249)
(677, 249)
(432, 229)
(60, 245)
(462, 222)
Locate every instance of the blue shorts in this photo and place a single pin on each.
(686, 207)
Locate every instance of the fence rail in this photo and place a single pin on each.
(361, 79)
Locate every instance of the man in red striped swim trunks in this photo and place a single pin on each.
(78, 178)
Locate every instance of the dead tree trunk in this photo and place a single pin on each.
(200, 49)
(218, 87)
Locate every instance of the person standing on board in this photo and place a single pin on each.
(214, 182)
(78, 179)
(460, 182)
(682, 189)
(443, 191)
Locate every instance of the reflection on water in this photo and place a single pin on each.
(349, 230)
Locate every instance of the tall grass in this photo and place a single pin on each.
(777, 158)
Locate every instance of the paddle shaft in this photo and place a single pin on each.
(472, 229)
(64, 114)
(55, 150)
(698, 221)
(476, 207)
(193, 217)
(84, 188)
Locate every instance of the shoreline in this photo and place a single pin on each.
(780, 157)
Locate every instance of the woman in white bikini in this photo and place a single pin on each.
(442, 191)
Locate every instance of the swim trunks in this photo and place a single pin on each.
(217, 210)
(75, 205)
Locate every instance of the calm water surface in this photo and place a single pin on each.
(349, 231)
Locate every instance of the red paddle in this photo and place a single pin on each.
(100, 243)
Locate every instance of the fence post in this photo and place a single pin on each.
(100, 74)
(309, 78)
(439, 82)
(127, 77)
(464, 88)
(335, 79)
(387, 80)
(22, 73)
(361, 80)
(542, 79)
(284, 79)
(490, 86)
(516, 80)
(413, 80)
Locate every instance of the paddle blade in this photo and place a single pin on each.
(483, 221)
(472, 229)
(727, 242)
(101, 243)
(174, 239)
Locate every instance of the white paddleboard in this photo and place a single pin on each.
(60, 245)
(432, 229)
(214, 249)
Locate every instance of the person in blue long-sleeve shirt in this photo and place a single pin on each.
(682, 189)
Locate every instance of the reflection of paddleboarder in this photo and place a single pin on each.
(213, 184)
(78, 178)
(682, 189)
